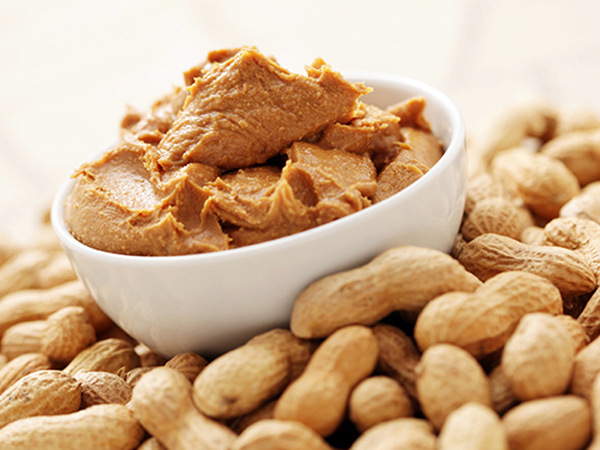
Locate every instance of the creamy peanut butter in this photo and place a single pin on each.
(247, 152)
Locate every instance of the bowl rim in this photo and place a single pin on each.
(454, 147)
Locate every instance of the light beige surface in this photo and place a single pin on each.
(69, 67)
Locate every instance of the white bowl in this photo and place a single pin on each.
(211, 303)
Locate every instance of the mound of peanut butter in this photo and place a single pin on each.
(244, 153)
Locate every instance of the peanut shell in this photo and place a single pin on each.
(247, 377)
(279, 435)
(101, 427)
(579, 151)
(109, 355)
(68, 331)
(483, 321)
(319, 397)
(398, 434)
(491, 254)
(162, 401)
(189, 364)
(538, 358)
(98, 388)
(586, 205)
(38, 304)
(22, 338)
(473, 426)
(447, 378)
(403, 278)
(398, 356)
(22, 365)
(543, 183)
(41, 393)
(378, 399)
(555, 423)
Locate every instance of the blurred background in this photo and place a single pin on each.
(68, 68)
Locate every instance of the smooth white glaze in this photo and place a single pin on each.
(211, 303)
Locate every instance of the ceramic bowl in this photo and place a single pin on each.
(211, 303)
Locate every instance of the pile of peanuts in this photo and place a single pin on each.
(493, 346)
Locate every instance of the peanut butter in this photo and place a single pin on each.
(247, 152)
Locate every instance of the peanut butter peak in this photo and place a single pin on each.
(249, 152)
(243, 111)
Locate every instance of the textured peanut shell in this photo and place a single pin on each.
(22, 365)
(162, 401)
(244, 378)
(543, 183)
(555, 423)
(590, 316)
(496, 215)
(491, 254)
(279, 435)
(447, 378)
(398, 356)
(109, 355)
(38, 304)
(532, 119)
(101, 427)
(22, 338)
(319, 397)
(98, 388)
(402, 278)
(189, 364)
(586, 205)
(576, 330)
(533, 235)
(398, 434)
(538, 358)
(483, 187)
(473, 426)
(21, 271)
(579, 151)
(42, 393)
(241, 381)
(482, 322)
(57, 271)
(67, 333)
(580, 235)
(586, 369)
(378, 399)
(134, 375)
